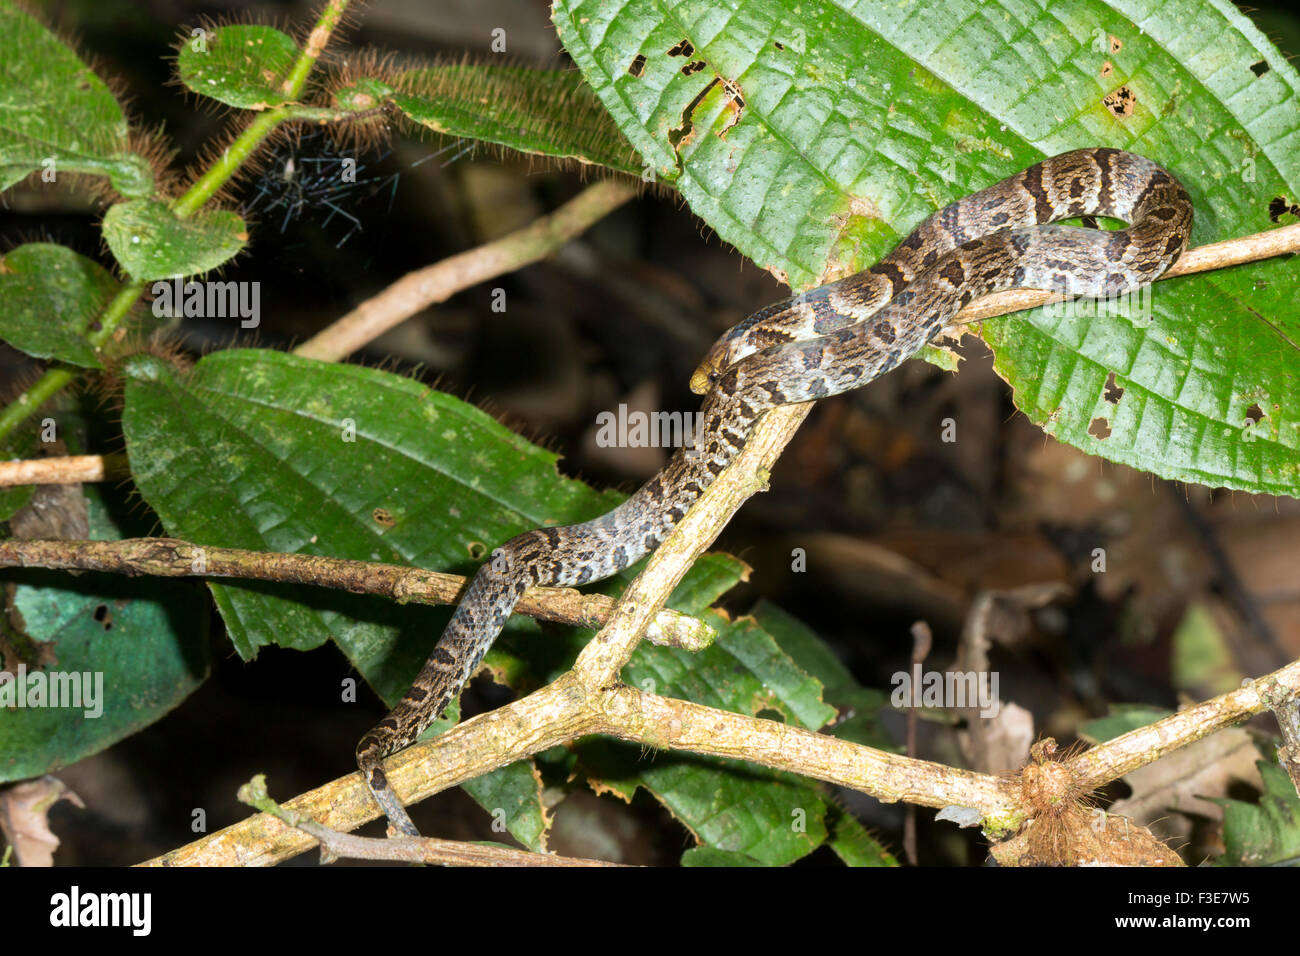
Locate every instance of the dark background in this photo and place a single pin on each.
(623, 315)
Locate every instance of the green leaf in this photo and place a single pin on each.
(708, 856)
(263, 450)
(513, 794)
(152, 243)
(1265, 833)
(259, 449)
(853, 844)
(730, 805)
(815, 134)
(18, 445)
(857, 706)
(58, 115)
(49, 296)
(546, 112)
(772, 816)
(1121, 719)
(240, 65)
(1201, 658)
(130, 648)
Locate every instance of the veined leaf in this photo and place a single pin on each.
(814, 134)
(263, 450)
(58, 115)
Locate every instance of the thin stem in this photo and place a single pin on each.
(26, 404)
(438, 282)
(116, 311)
(317, 40)
(238, 153)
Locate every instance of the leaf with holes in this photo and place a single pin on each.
(240, 65)
(150, 242)
(49, 296)
(114, 654)
(815, 134)
(58, 116)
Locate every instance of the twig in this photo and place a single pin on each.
(173, 558)
(922, 640)
(68, 470)
(335, 845)
(1215, 255)
(1286, 710)
(1099, 766)
(436, 283)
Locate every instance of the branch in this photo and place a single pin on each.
(173, 558)
(401, 849)
(436, 283)
(1216, 255)
(565, 710)
(68, 470)
(1099, 766)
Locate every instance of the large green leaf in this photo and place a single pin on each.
(814, 134)
(57, 115)
(49, 296)
(131, 649)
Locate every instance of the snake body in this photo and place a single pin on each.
(829, 340)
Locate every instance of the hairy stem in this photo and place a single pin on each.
(204, 188)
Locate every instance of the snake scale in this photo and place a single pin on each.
(831, 339)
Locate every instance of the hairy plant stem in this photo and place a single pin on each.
(203, 189)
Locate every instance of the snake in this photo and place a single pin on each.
(825, 341)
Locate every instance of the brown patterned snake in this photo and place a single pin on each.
(834, 338)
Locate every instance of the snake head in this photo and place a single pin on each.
(718, 359)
